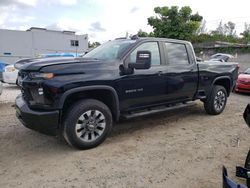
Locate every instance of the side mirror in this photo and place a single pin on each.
(198, 59)
(143, 60)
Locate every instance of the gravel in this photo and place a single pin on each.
(180, 148)
(10, 92)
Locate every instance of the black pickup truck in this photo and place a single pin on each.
(82, 97)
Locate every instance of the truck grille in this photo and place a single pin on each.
(22, 74)
(26, 95)
(25, 91)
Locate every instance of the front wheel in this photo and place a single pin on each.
(216, 102)
(87, 124)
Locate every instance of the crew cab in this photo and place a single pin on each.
(82, 97)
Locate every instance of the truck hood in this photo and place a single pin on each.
(37, 64)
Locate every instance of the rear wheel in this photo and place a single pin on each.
(87, 124)
(216, 102)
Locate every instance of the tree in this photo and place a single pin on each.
(230, 28)
(246, 32)
(174, 22)
(219, 30)
(227, 29)
(142, 33)
(202, 29)
(94, 44)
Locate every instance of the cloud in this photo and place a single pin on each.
(28, 2)
(54, 26)
(96, 27)
(109, 19)
(69, 25)
(61, 2)
(68, 2)
(21, 20)
(6, 2)
(134, 9)
(14, 17)
(18, 3)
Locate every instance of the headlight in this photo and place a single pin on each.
(37, 75)
(10, 69)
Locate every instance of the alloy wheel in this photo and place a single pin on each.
(90, 125)
(219, 100)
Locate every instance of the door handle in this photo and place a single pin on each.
(160, 73)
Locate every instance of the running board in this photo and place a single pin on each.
(201, 95)
(157, 110)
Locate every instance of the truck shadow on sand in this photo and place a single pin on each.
(159, 119)
(123, 128)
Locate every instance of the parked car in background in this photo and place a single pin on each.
(2, 66)
(10, 74)
(220, 57)
(240, 171)
(243, 82)
(11, 71)
(58, 55)
(1, 87)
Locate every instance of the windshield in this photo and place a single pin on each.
(247, 71)
(110, 50)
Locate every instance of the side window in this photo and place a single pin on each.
(176, 54)
(150, 46)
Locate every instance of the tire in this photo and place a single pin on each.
(216, 102)
(247, 165)
(233, 90)
(87, 124)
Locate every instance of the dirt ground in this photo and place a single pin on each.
(181, 148)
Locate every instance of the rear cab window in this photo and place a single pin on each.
(176, 54)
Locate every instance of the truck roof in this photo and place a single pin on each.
(155, 39)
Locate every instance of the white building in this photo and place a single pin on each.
(35, 41)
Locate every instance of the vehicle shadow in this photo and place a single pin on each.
(153, 120)
(57, 145)
(242, 94)
(11, 86)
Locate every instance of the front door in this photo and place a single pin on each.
(144, 87)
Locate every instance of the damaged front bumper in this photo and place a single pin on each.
(228, 183)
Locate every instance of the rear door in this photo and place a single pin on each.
(182, 72)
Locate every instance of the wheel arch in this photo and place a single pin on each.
(105, 94)
(224, 81)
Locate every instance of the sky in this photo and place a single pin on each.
(105, 20)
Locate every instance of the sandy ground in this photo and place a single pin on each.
(10, 91)
(181, 148)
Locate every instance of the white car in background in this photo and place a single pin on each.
(10, 74)
(221, 57)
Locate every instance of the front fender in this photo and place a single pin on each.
(89, 88)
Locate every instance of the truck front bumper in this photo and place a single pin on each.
(46, 122)
(227, 182)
